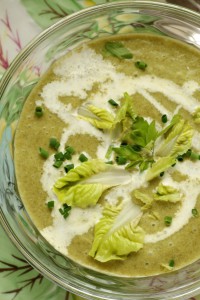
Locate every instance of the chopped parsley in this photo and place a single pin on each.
(44, 153)
(113, 103)
(39, 111)
(82, 157)
(50, 204)
(117, 49)
(171, 263)
(65, 210)
(195, 212)
(167, 220)
(54, 143)
(141, 65)
(68, 167)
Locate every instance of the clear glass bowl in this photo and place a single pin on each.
(103, 20)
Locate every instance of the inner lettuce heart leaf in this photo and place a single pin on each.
(81, 195)
(117, 234)
(162, 164)
(178, 138)
(167, 193)
(84, 185)
(98, 117)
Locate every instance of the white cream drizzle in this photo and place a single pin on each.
(78, 73)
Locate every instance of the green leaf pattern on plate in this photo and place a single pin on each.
(18, 280)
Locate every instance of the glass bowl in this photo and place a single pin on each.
(89, 24)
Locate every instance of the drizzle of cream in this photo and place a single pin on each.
(78, 73)
(190, 190)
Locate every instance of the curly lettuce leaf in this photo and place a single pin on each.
(196, 115)
(146, 199)
(117, 49)
(117, 234)
(83, 171)
(98, 117)
(126, 109)
(84, 185)
(161, 165)
(178, 138)
(81, 195)
(167, 194)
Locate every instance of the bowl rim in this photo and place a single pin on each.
(23, 54)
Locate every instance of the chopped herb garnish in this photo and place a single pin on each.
(162, 174)
(68, 167)
(141, 65)
(164, 118)
(44, 153)
(194, 156)
(58, 163)
(65, 210)
(180, 158)
(82, 157)
(39, 111)
(113, 103)
(195, 212)
(54, 143)
(68, 152)
(188, 153)
(50, 204)
(109, 152)
(117, 49)
(168, 220)
(137, 148)
(174, 165)
(121, 160)
(69, 149)
(110, 162)
(59, 156)
(171, 263)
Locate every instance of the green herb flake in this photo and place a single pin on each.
(70, 149)
(50, 204)
(171, 263)
(110, 162)
(162, 174)
(164, 118)
(82, 157)
(58, 163)
(59, 156)
(120, 160)
(167, 220)
(39, 111)
(65, 210)
(68, 167)
(140, 65)
(44, 153)
(54, 143)
(113, 103)
(117, 49)
(195, 212)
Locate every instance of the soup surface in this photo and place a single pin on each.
(107, 155)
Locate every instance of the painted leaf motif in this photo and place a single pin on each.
(47, 12)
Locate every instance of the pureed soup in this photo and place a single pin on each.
(107, 155)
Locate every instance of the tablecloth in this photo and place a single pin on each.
(20, 21)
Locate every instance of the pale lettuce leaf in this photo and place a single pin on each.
(98, 117)
(146, 199)
(83, 171)
(116, 235)
(167, 194)
(161, 165)
(81, 195)
(84, 185)
(196, 115)
(178, 138)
